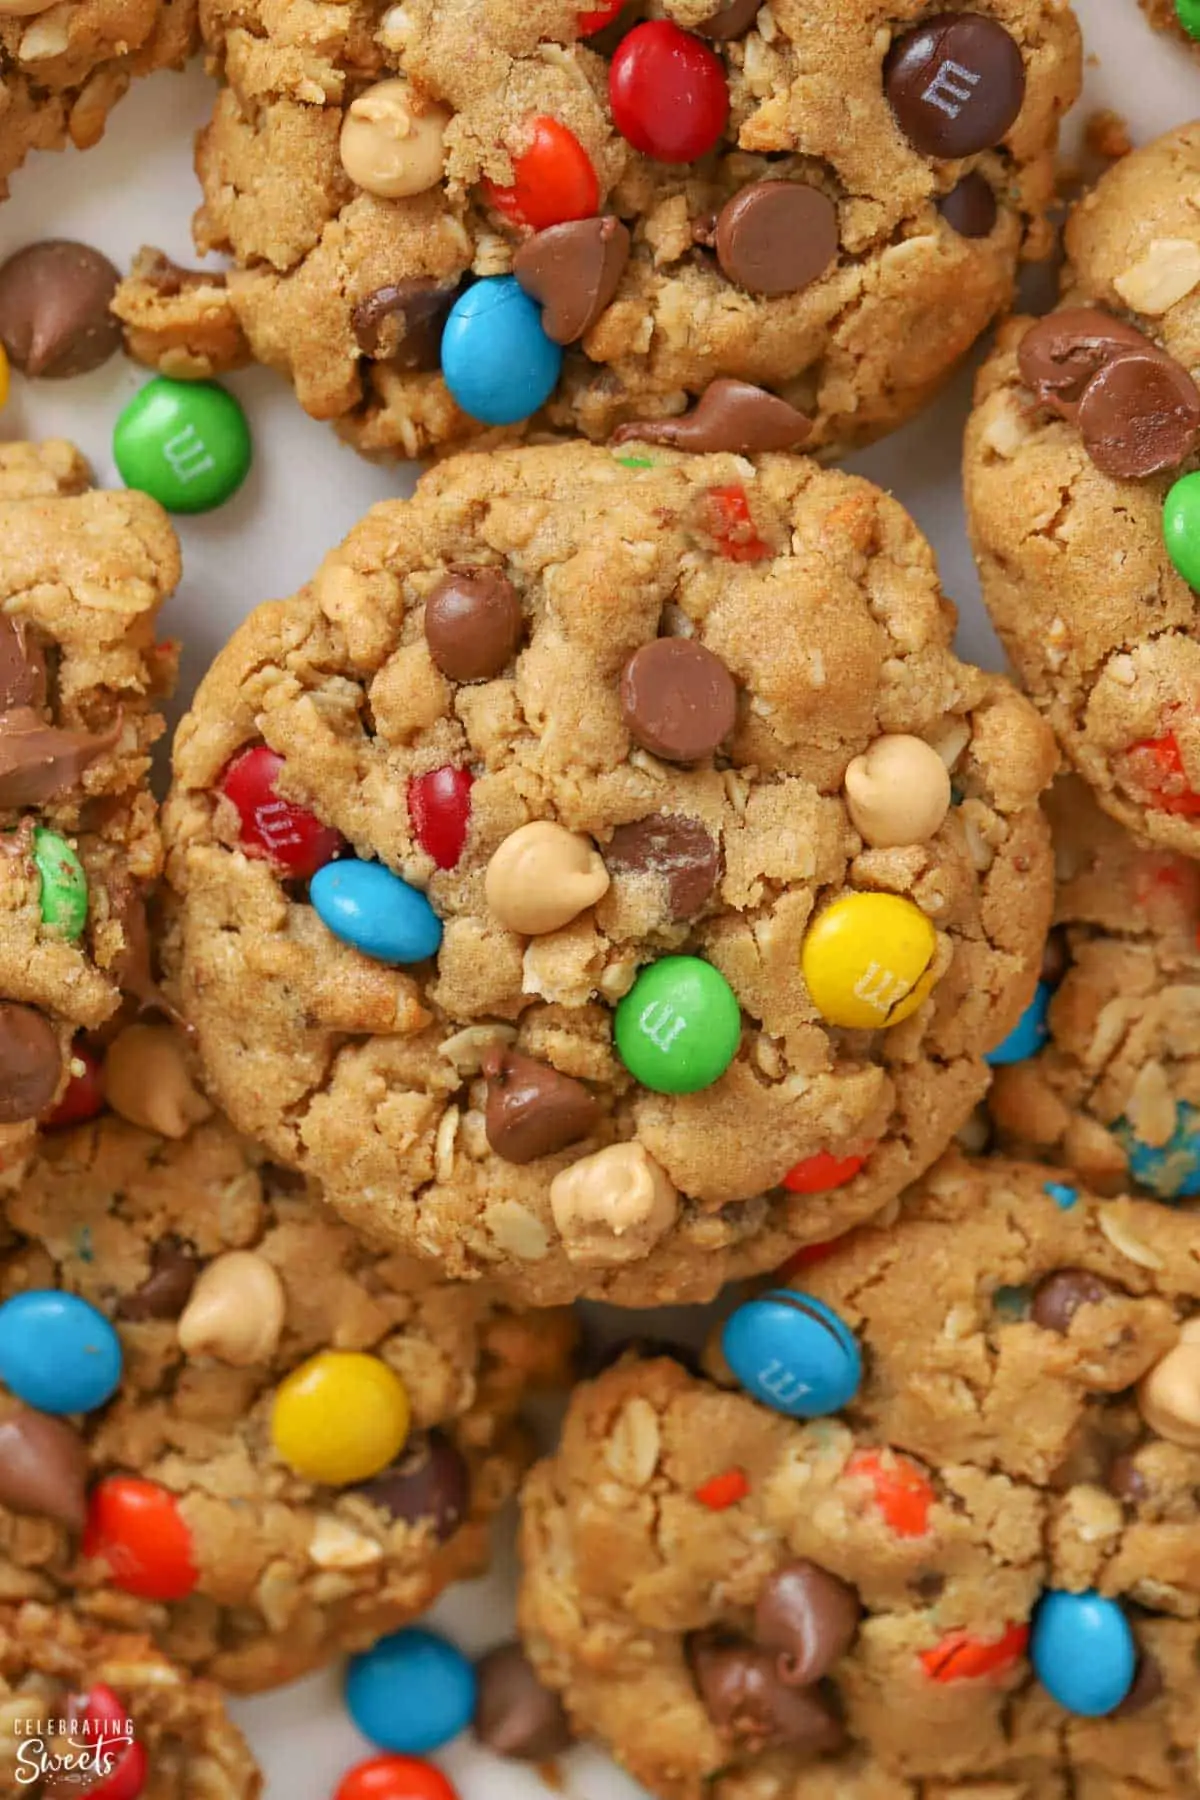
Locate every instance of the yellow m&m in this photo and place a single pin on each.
(866, 961)
(340, 1417)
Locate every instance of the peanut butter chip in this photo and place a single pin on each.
(236, 1311)
(542, 877)
(614, 1206)
(897, 792)
(391, 145)
(1169, 1396)
(147, 1081)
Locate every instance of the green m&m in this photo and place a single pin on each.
(678, 1027)
(185, 443)
(64, 893)
(1188, 14)
(1181, 527)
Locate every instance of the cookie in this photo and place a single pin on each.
(79, 1700)
(1178, 16)
(447, 218)
(681, 874)
(1080, 502)
(66, 68)
(82, 681)
(283, 1443)
(1106, 1078)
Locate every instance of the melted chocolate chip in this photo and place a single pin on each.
(431, 1481)
(1059, 355)
(22, 667)
(573, 270)
(808, 1618)
(532, 1110)
(38, 761)
(167, 1288)
(403, 323)
(751, 1707)
(672, 849)
(730, 415)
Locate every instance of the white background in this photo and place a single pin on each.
(304, 493)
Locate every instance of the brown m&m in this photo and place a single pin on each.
(473, 624)
(956, 84)
(1059, 1297)
(776, 237)
(532, 1109)
(54, 309)
(678, 700)
(573, 271)
(971, 207)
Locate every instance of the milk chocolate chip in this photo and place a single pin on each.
(808, 1618)
(1059, 1297)
(776, 237)
(168, 1287)
(532, 1110)
(672, 849)
(473, 624)
(431, 1482)
(403, 322)
(30, 1063)
(956, 84)
(43, 1467)
(514, 1714)
(1058, 356)
(730, 415)
(1139, 415)
(573, 270)
(38, 761)
(54, 309)
(22, 667)
(751, 1706)
(732, 19)
(679, 701)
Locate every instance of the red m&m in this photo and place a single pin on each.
(554, 180)
(818, 1174)
(439, 805)
(290, 836)
(731, 523)
(960, 1657)
(597, 17)
(395, 1778)
(668, 93)
(84, 1094)
(107, 1734)
(136, 1527)
(902, 1492)
(1159, 764)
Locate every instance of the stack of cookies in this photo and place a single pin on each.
(602, 881)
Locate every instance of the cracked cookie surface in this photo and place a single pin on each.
(224, 1276)
(782, 627)
(345, 266)
(1099, 623)
(82, 682)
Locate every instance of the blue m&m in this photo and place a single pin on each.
(1083, 1651)
(1028, 1034)
(411, 1692)
(364, 904)
(1171, 1170)
(57, 1353)
(496, 359)
(793, 1354)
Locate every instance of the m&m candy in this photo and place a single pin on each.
(1171, 1171)
(439, 805)
(668, 92)
(83, 1097)
(1181, 513)
(1083, 1651)
(1188, 14)
(57, 1352)
(137, 1529)
(412, 1692)
(366, 905)
(63, 896)
(554, 180)
(678, 1028)
(961, 1656)
(821, 1173)
(186, 443)
(340, 1417)
(1029, 1033)
(289, 835)
(866, 960)
(395, 1778)
(793, 1354)
(108, 1735)
(497, 360)
(902, 1491)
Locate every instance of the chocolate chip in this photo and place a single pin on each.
(170, 279)
(414, 313)
(808, 1618)
(473, 624)
(1126, 1481)
(956, 84)
(970, 208)
(167, 1288)
(1058, 356)
(514, 1714)
(1139, 414)
(532, 1110)
(54, 317)
(1147, 1687)
(573, 270)
(776, 237)
(730, 415)
(30, 1063)
(22, 666)
(1058, 1298)
(431, 1481)
(678, 700)
(672, 849)
(38, 761)
(732, 19)
(749, 1705)
(43, 1468)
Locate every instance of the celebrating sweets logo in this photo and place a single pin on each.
(67, 1753)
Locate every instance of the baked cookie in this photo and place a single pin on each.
(1180, 16)
(744, 1606)
(64, 68)
(1082, 495)
(1105, 1078)
(82, 680)
(289, 1443)
(828, 202)
(77, 1701)
(656, 939)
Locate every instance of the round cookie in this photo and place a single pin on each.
(64, 73)
(829, 205)
(307, 1438)
(686, 874)
(1112, 1090)
(70, 1689)
(82, 681)
(1080, 459)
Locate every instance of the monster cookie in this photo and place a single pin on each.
(84, 1709)
(446, 218)
(227, 1421)
(603, 875)
(1107, 1078)
(1084, 499)
(65, 67)
(81, 683)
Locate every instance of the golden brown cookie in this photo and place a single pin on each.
(828, 202)
(1169, 15)
(308, 1439)
(682, 875)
